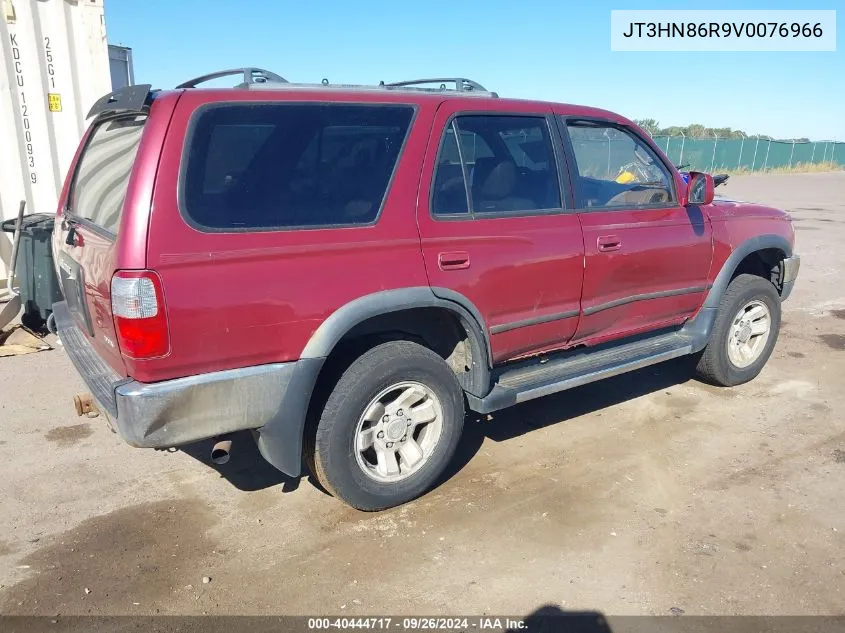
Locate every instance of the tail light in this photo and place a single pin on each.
(140, 320)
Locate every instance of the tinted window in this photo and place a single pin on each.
(290, 165)
(617, 169)
(450, 194)
(102, 175)
(508, 162)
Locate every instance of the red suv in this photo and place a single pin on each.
(346, 269)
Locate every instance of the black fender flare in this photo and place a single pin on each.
(701, 326)
(342, 320)
(751, 245)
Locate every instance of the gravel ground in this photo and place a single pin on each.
(638, 495)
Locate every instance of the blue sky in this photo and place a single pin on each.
(557, 51)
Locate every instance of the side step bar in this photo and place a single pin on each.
(539, 377)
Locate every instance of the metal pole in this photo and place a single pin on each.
(683, 140)
(813, 155)
(741, 143)
(754, 160)
(713, 159)
(791, 152)
(766, 162)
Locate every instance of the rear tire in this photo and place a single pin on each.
(389, 427)
(744, 334)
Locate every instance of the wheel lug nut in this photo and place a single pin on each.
(390, 445)
(409, 421)
(404, 437)
(386, 418)
(380, 434)
(399, 413)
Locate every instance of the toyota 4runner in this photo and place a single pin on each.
(345, 270)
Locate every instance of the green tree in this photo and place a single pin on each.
(696, 130)
(649, 125)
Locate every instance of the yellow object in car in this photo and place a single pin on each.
(625, 177)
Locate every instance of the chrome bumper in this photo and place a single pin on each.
(180, 411)
(791, 265)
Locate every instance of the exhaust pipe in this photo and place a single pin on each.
(220, 453)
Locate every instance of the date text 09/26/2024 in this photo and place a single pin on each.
(418, 623)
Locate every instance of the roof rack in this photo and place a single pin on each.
(250, 76)
(260, 78)
(462, 84)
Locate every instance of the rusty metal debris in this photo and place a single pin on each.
(84, 403)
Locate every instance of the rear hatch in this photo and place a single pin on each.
(86, 237)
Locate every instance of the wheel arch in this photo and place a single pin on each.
(281, 441)
(757, 244)
(701, 326)
(346, 318)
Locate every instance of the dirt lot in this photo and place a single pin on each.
(633, 496)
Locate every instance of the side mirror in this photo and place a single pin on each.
(700, 188)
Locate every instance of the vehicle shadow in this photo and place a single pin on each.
(508, 424)
(551, 618)
(248, 471)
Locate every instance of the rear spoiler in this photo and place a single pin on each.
(128, 99)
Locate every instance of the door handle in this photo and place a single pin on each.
(455, 260)
(609, 243)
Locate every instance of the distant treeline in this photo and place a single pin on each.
(697, 130)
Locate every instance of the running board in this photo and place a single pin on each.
(543, 376)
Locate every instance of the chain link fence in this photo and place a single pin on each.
(713, 154)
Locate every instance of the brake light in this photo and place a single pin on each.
(140, 320)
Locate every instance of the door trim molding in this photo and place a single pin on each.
(507, 327)
(643, 297)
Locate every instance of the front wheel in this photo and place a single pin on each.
(744, 334)
(389, 427)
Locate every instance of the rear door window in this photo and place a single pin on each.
(505, 164)
(278, 166)
(102, 175)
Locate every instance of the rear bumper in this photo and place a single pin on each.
(186, 410)
(791, 266)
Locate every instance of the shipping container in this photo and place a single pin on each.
(120, 66)
(55, 65)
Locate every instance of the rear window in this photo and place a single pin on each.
(276, 166)
(102, 174)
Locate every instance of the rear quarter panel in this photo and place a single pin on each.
(248, 298)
